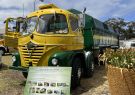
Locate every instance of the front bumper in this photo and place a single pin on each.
(22, 69)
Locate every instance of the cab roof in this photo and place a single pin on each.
(49, 8)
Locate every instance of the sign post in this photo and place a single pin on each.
(48, 81)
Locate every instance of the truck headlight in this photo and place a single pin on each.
(54, 61)
(13, 59)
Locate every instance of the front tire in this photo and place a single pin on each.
(76, 73)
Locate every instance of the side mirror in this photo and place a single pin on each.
(81, 21)
(4, 21)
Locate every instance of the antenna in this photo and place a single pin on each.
(23, 9)
(84, 10)
(34, 4)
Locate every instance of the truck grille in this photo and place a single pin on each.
(32, 54)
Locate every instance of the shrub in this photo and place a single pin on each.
(122, 58)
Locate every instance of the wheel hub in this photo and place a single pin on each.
(92, 66)
(79, 73)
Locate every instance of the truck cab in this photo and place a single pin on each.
(47, 31)
(51, 36)
(13, 31)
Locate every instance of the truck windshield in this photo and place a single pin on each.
(53, 23)
(29, 25)
(12, 23)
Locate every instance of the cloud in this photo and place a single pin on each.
(13, 8)
(9, 8)
(125, 9)
(101, 9)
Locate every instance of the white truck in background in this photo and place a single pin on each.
(127, 43)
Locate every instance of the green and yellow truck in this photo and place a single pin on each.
(13, 29)
(3, 48)
(69, 38)
(9, 40)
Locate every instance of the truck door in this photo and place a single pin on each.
(76, 32)
(12, 31)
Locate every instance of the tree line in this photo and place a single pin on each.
(125, 28)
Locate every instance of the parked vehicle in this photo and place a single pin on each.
(9, 41)
(127, 43)
(3, 48)
(56, 37)
(13, 31)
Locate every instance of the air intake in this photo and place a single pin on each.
(48, 6)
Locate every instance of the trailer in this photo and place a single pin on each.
(97, 35)
(68, 38)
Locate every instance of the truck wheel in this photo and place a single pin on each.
(90, 70)
(25, 74)
(2, 52)
(76, 73)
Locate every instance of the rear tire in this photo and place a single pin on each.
(76, 73)
(25, 74)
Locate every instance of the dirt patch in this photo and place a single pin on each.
(97, 85)
(12, 82)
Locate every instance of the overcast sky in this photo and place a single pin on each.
(101, 9)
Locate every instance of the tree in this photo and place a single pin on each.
(131, 27)
(125, 28)
(118, 24)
